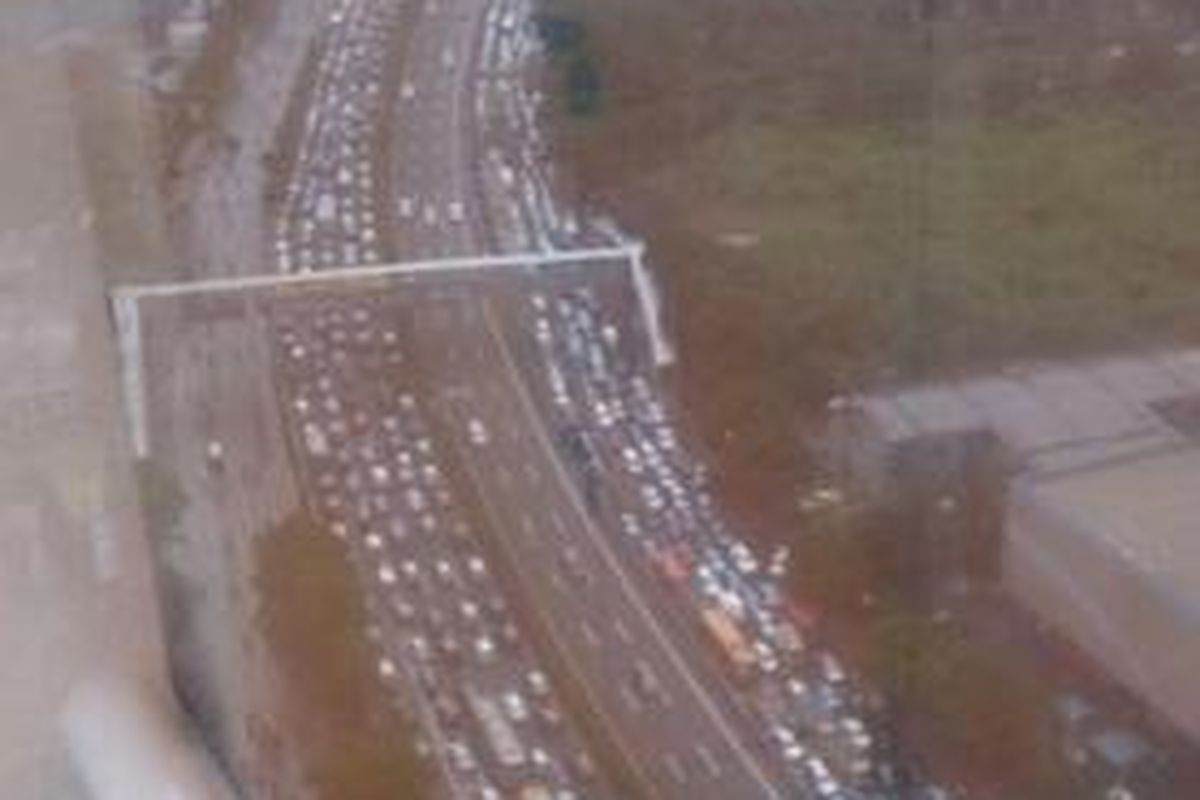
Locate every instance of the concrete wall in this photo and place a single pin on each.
(77, 598)
(1142, 636)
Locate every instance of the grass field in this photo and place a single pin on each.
(840, 193)
(836, 194)
(354, 743)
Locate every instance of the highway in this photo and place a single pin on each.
(452, 415)
(675, 734)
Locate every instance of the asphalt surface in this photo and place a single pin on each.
(423, 431)
(668, 725)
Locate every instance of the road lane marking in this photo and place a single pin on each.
(675, 767)
(706, 758)
(706, 702)
(630, 699)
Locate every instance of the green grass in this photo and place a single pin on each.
(1017, 241)
(911, 186)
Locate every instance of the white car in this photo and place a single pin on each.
(456, 212)
(538, 683)
(485, 649)
(477, 432)
(326, 210)
(543, 330)
(515, 706)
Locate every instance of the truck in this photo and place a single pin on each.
(728, 637)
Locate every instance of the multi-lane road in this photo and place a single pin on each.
(453, 429)
(677, 737)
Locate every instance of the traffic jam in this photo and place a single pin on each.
(328, 211)
(809, 715)
(446, 636)
(447, 640)
(444, 631)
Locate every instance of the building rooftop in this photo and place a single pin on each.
(1050, 417)
(1145, 510)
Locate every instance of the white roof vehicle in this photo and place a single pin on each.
(477, 432)
(326, 210)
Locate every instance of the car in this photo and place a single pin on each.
(515, 706)
(326, 208)
(542, 328)
(404, 611)
(485, 649)
(461, 756)
(826, 785)
(572, 561)
(652, 497)
(449, 645)
(644, 681)
(585, 766)
(794, 752)
(550, 715)
(768, 662)
(420, 646)
(538, 684)
(743, 558)
(831, 668)
(456, 212)
(477, 432)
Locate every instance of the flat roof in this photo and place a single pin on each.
(1100, 409)
(1146, 510)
